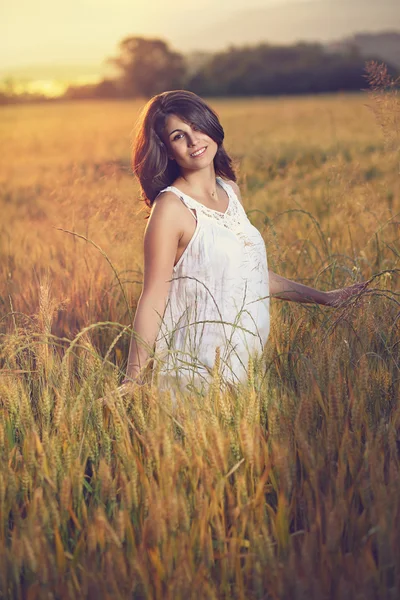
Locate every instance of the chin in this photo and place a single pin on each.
(199, 167)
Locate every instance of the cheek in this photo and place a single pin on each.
(176, 148)
(214, 144)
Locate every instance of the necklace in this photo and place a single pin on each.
(214, 195)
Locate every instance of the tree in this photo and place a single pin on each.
(265, 69)
(148, 67)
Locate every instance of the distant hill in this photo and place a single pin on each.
(289, 22)
(385, 46)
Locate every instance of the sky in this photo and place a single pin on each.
(70, 39)
(85, 31)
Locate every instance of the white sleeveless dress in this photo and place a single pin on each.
(218, 298)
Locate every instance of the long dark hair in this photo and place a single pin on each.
(150, 162)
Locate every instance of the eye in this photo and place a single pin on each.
(177, 136)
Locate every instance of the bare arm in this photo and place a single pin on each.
(285, 289)
(161, 240)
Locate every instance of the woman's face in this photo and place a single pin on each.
(190, 147)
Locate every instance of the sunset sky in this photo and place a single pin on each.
(87, 30)
(82, 33)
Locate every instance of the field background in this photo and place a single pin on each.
(290, 487)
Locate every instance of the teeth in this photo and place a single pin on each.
(198, 152)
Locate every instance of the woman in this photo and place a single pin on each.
(206, 279)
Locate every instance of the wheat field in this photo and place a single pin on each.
(287, 487)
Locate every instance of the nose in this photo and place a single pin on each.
(192, 139)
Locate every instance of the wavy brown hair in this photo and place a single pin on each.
(150, 162)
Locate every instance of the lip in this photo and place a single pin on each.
(199, 155)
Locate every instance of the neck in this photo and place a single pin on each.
(202, 183)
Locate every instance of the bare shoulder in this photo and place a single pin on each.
(166, 204)
(161, 239)
(168, 209)
(166, 217)
(235, 188)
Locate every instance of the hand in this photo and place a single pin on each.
(337, 297)
(125, 389)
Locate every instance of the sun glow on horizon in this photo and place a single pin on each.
(51, 88)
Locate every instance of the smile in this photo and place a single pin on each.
(199, 152)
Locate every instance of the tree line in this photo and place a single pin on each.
(146, 67)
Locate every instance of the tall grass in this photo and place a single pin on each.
(286, 487)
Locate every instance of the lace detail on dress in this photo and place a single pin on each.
(250, 237)
(234, 218)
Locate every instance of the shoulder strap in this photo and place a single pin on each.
(236, 205)
(227, 187)
(187, 201)
(224, 184)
